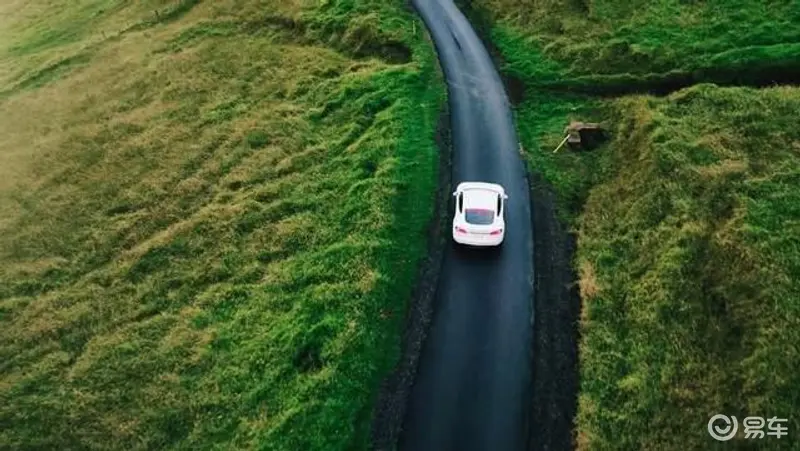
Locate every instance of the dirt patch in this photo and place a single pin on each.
(393, 396)
(392, 52)
(556, 317)
(515, 89)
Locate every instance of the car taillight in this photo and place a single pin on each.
(460, 230)
(496, 232)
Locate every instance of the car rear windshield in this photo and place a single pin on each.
(479, 216)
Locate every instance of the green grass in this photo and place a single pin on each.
(646, 42)
(540, 119)
(688, 257)
(690, 266)
(209, 229)
(687, 220)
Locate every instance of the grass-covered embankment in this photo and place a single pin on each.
(687, 220)
(689, 257)
(210, 218)
(612, 47)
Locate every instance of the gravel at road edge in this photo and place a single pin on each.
(555, 329)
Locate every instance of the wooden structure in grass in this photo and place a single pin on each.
(586, 135)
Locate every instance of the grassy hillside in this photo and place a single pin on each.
(687, 220)
(210, 215)
(616, 44)
(690, 263)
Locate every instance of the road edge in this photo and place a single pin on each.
(390, 408)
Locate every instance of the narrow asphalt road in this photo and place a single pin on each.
(472, 388)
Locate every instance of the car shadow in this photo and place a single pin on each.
(476, 253)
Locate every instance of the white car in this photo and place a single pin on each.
(478, 219)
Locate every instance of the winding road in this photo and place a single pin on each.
(472, 387)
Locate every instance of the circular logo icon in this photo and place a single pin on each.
(725, 428)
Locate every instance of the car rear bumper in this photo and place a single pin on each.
(478, 240)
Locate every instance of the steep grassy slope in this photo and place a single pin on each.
(210, 215)
(600, 45)
(690, 262)
(687, 221)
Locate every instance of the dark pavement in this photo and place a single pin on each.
(472, 389)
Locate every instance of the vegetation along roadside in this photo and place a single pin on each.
(211, 215)
(688, 237)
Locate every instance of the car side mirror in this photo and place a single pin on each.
(505, 196)
(455, 193)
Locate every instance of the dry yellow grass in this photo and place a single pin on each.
(588, 281)
(588, 288)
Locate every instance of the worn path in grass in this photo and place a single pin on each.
(472, 384)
